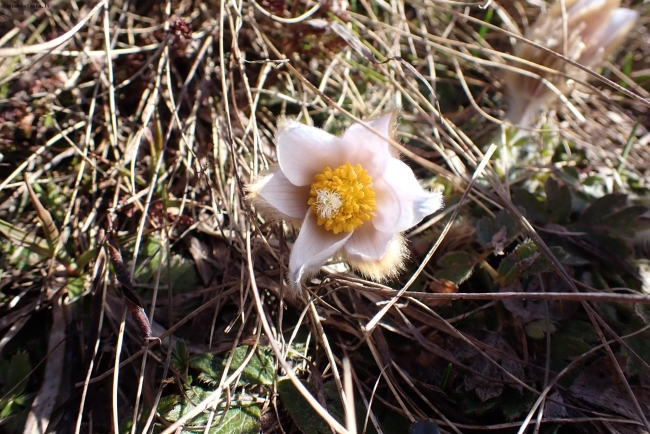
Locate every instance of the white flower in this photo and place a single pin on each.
(594, 29)
(351, 194)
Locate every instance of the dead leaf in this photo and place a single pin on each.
(599, 385)
(134, 304)
(504, 355)
(204, 258)
(528, 311)
(554, 407)
(442, 287)
(498, 241)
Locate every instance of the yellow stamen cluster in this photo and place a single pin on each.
(343, 198)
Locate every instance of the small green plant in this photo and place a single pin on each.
(14, 401)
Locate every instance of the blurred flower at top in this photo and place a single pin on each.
(594, 29)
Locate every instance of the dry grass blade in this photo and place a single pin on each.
(154, 116)
(51, 231)
(350, 414)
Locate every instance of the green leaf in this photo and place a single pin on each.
(504, 218)
(304, 416)
(543, 264)
(485, 230)
(517, 262)
(537, 329)
(242, 419)
(570, 176)
(47, 119)
(627, 221)
(14, 375)
(487, 227)
(34, 243)
(515, 405)
(640, 344)
(17, 256)
(602, 207)
(18, 373)
(167, 403)
(260, 369)
(75, 286)
(455, 266)
(180, 356)
(559, 201)
(186, 404)
(534, 208)
(181, 271)
(564, 348)
(205, 363)
(83, 259)
(25, 239)
(483, 30)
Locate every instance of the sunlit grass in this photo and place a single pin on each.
(137, 134)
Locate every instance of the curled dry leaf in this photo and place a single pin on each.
(599, 385)
(50, 229)
(503, 354)
(134, 304)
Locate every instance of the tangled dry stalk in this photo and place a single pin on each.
(139, 123)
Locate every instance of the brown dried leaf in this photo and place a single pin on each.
(600, 386)
(483, 387)
(136, 308)
(202, 260)
(498, 241)
(532, 310)
(554, 408)
(140, 317)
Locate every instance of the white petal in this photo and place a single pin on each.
(304, 151)
(367, 243)
(620, 22)
(313, 247)
(401, 201)
(603, 31)
(582, 7)
(284, 196)
(372, 151)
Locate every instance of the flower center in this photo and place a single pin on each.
(343, 198)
